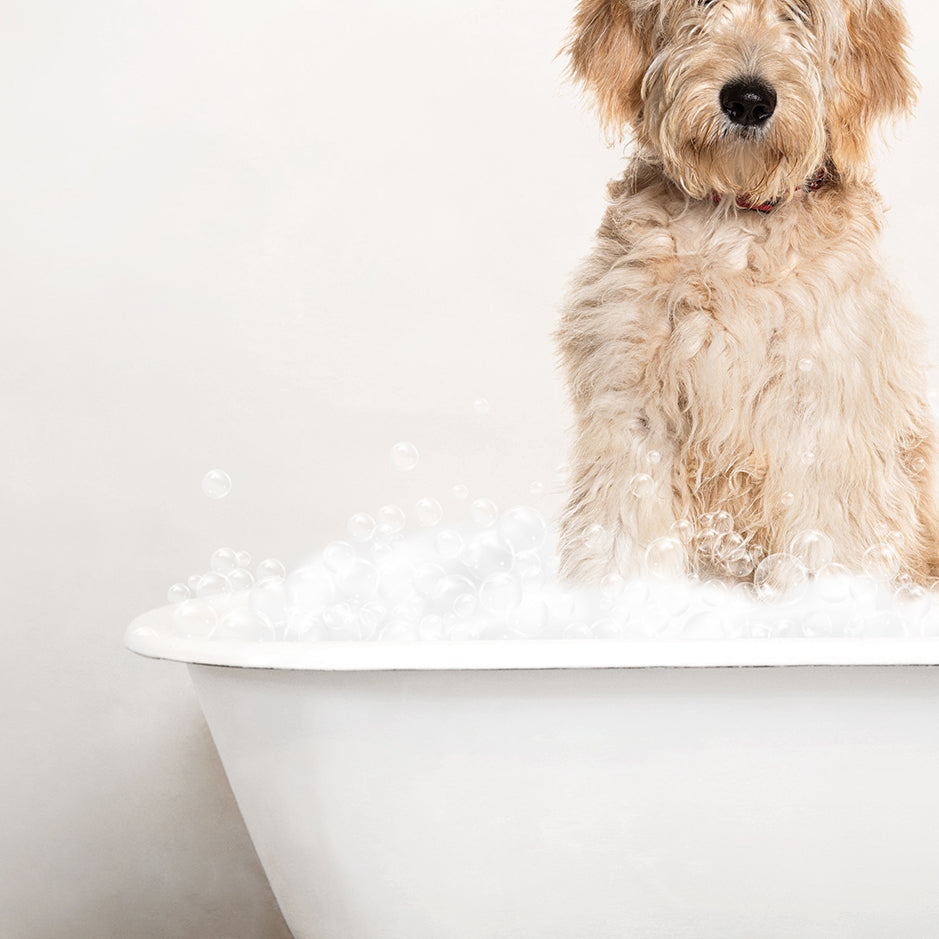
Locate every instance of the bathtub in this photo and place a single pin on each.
(708, 789)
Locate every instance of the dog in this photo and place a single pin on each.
(744, 376)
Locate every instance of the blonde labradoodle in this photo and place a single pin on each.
(737, 359)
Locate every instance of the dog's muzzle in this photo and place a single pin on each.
(748, 102)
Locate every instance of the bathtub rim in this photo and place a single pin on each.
(150, 635)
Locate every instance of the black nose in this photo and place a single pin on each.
(748, 102)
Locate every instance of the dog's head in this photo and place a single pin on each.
(745, 96)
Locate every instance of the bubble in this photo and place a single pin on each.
(431, 627)
(404, 456)
(918, 465)
(448, 543)
(338, 555)
(528, 565)
(881, 561)
(739, 563)
(832, 583)
(641, 485)
(818, 623)
(428, 579)
(240, 579)
(194, 619)
(244, 559)
(371, 615)
(722, 522)
(341, 622)
(269, 597)
(481, 406)
(429, 512)
(309, 588)
(464, 604)
(452, 587)
(780, 577)
(806, 365)
(682, 529)
(914, 600)
(212, 584)
(523, 528)
(730, 544)
(500, 594)
(536, 489)
(361, 526)
(271, 567)
(665, 558)
(813, 548)
(302, 625)
(391, 519)
(787, 499)
(808, 458)
(595, 537)
(224, 561)
(246, 625)
(653, 457)
(177, 593)
(487, 553)
(192, 581)
(484, 512)
(216, 484)
(460, 492)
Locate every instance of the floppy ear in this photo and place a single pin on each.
(608, 52)
(874, 83)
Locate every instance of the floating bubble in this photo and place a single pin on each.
(464, 605)
(310, 588)
(429, 512)
(428, 580)
(271, 567)
(244, 559)
(808, 458)
(192, 581)
(342, 623)
(224, 561)
(595, 537)
(682, 529)
(523, 528)
(537, 489)
(177, 593)
(372, 614)
(806, 365)
(881, 561)
(813, 548)
(240, 579)
(246, 625)
(194, 619)
(361, 527)
(500, 594)
(212, 584)
(665, 558)
(452, 587)
(641, 485)
(216, 484)
(485, 512)
(269, 598)
(391, 519)
(833, 583)
(780, 577)
(487, 553)
(787, 499)
(528, 565)
(653, 457)
(404, 456)
(739, 563)
(448, 543)
(481, 406)
(460, 492)
(918, 465)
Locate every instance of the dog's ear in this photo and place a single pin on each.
(608, 50)
(874, 83)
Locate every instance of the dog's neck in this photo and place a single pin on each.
(813, 184)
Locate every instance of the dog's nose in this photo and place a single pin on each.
(747, 102)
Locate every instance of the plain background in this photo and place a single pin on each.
(273, 238)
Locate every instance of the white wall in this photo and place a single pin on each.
(273, 238)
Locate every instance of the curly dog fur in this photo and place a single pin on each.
(732, 346)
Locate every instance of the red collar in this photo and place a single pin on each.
(812, 185)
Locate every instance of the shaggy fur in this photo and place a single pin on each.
(721, 359)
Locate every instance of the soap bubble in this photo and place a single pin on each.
(224, 561)
(194, 619)
(881, 561)
(833, 583)
(391, 519)
(806, 365)
(338, 555)
(653, 457)
(808, 458)
(246, 625)
(371, 615)
(595, 537)
(464, 605)
(361, 526)
(787, 499)
(641, 485)
(212, 584)
(428, 579)
(240, 579)
(341, 622)
(665, 558)
(359, 580)
(404, 456)
(528, 565)
(523, 528)
(738, 563)
(177, 593)
(500, 594)
(310, 588)
(216, 484)
(481, 406)
(192, 581)
(269, 597)
(780, 577)
(682, 529)
(487, 553)
(460, 492)
(918, 465)
(429, 512)
(448, 543)
(813, 548)
(243, 558)
(452, 587)
(485, 512)
(536, 489)
(271, 567)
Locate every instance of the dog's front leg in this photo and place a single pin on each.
(621, 490)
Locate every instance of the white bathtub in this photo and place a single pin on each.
(582, 790)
